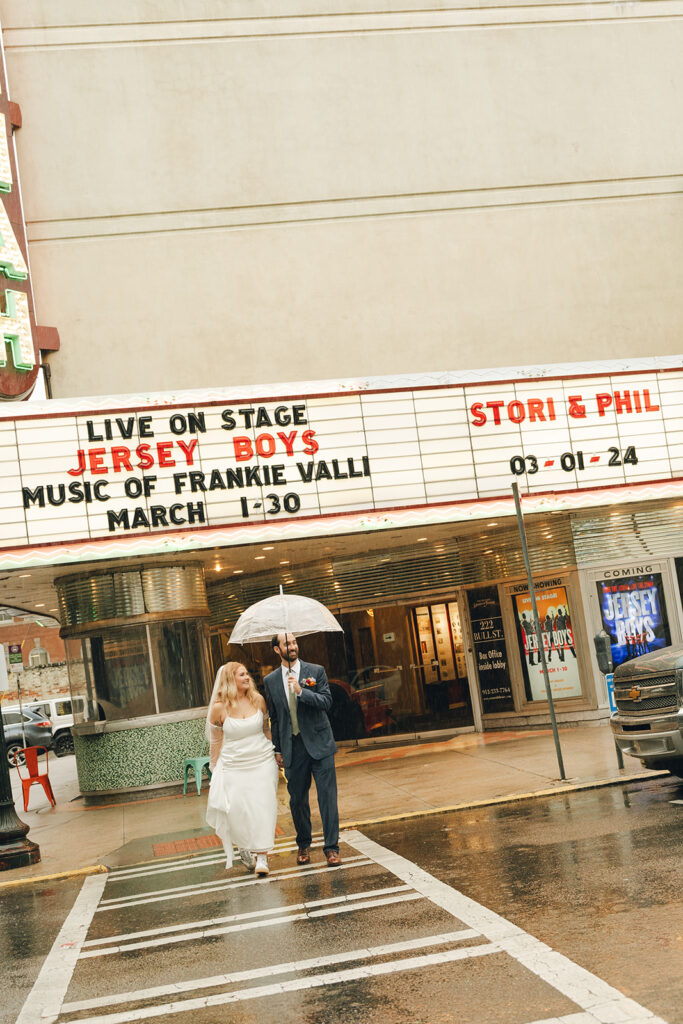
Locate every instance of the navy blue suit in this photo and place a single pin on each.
(308, 755)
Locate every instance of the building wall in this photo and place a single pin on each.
(214, 195)
(37, 683)
(20, 631)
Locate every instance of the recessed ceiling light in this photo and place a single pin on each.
(421, 538)
(269, 548)
(216, 568)
(284, 562)
(237, 572)
(492, 524)
(40, 606)
(24, 575)
(259, 558)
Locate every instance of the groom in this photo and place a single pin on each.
(298, 697)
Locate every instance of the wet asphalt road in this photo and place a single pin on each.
(387, 937)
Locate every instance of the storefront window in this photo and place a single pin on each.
(382, 679)
(178, 654)
(139, 670)
(633, 612)
(122, 674)
(558, 643)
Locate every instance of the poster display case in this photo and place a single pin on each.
(555, 616)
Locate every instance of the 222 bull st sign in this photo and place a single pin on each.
(71, 475)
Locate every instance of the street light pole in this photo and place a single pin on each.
(16, 851)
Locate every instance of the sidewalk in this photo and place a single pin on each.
(374, 784)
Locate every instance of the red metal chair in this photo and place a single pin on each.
(31, 765)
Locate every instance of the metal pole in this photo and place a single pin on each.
(17, 676)
(16, 851)
(537, 626)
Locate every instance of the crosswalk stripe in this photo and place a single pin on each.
(207, 933)
(295, 985)
(595, 996)
(210, 922)
(197, 861)
(183, 891)
(272, 970)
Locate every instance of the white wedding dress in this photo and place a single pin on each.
(242, 805)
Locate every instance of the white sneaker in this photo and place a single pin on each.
(247, 858)
(262, 865)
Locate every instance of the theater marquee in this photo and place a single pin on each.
(75, 476)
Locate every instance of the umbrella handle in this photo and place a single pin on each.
(284, 616)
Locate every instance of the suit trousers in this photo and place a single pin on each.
(299, 774)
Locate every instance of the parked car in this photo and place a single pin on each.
(37, 729)
(357, 713)
(385, 680)
(648, 722)
(60, 711)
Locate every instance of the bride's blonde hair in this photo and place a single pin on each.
(227, 687)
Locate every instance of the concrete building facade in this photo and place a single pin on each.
(218, 194)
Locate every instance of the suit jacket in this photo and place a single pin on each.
(312, 706)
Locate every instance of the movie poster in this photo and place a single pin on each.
(634, 615)
(558, 642)
(490, 650)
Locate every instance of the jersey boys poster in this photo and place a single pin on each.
(634, 615)
(558, 642)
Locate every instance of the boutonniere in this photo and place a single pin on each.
(310, 681)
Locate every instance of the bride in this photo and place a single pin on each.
(242, 805)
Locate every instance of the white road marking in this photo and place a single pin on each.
(220, 883)
(269, 911)
(592, 994)
(295, 985)
(183, 892)
(569, 1018)
(206, 933)
(259, 972)
(199, 860)
(45, 998)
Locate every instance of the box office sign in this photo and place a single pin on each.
(490, 650)
(20, 338)
(558, 642)
(78, 476)
(633, 612)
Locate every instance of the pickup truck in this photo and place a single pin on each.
(648, 722)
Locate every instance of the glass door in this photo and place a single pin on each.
(441, 663)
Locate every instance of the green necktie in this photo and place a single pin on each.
(291, 697)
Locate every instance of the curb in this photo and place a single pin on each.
(93, 869)
(507, 799)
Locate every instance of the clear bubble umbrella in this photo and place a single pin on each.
(283, 613)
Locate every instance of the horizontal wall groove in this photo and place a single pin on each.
(300, 221)
(616, 17)
(675, 177)
(303, 15)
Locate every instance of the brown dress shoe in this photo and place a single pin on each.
(304, 855)
(333, 858)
